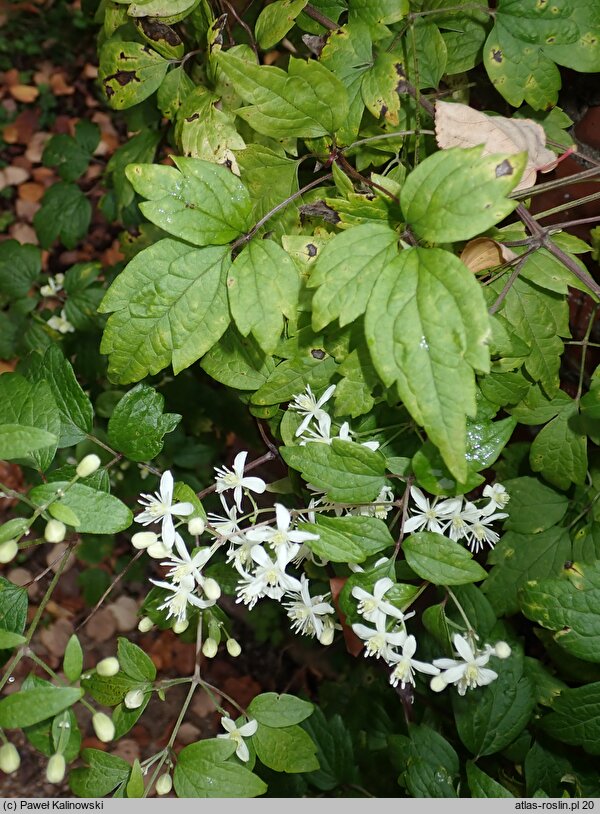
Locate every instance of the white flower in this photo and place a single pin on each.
(381, 506)
(457, 521)
(469, 671)
(269, 577)
(498, 496)
(61, 323)
(237, 735)
(430, 514)
(306, 610)
(404, 671)
(322, 435)
(380, 642)
(478, 533)
(373, 607)
(185, 565)
(307, 405)
(181, 597)
(53, 286)
(227, 525)
(345, 434)
(227, 479)
(282, 535)
(160, 506)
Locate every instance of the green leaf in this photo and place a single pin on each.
(138, 424)
(18, 440)
(65, 214)
(134, 662)
(491, 717)
(275, 21)
(8, 639)
(102, 775)
(75, 408)
(98, 512)
(203, 770)
(348, 539)
(30, 405)
(440, 208)
(285, 749)
(377, 14)
(379, 87)
(172, 308)
(568, 604)
(348, 472)
(518, 558)
(237, 361)
(204, 130)
(263, 285)
(72, 156)
(545, 770)
(174, 90)
(125, 719)
(20, 266)
(464, 31)
(279, 710)
(270, 178)
(427, 327)
(73, 659)
(201, 202)
(533, 507)
(482, 785)
(434, 476)
(346, 271)
(428, 50)
(109, 690)
(160, 8)
(576, 718)
(432, 764)
(334, 751)
(27, 707)
(129, 72)
(135, 784)
(306, 102)
(292, 376)
(139, 149)
(440, 560)
(559, 450)
(13, 606)
(583, 54)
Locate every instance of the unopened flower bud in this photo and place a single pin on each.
(108, 667)
(233, 648)
(180, 625)
(134, 699)
(55, 531)
(196, 526)
(158, 550)
(209, 648)
(8, 551)
(145, 624)
(502, 650)
(55, 770)
(164, 784)
(143, 539)
(9, 758)
(212, 589)
(88, 465)
(327, 635)
(103, 727)
(437, 684)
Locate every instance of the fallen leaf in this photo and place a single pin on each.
(484, 253)
(26, 209)
(54, 557)
(12, 176)
(31, 191)
(36, 146)
(188, 732)
(60, 86)
(23, 232)
(21, 130)
(24, 93)
(125, 612)
(354, 645)
(55, 637)
(102, 626)
(458, 125)
(128, 749)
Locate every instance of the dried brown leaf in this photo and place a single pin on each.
(484, 253)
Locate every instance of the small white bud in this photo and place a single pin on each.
(134, 699)
(164, 784)
(196, 526)
(502, 650)
(108, 667)
(327, 635)
(8, 551)
(209, 648)
(143, 539)
(55, 531)
(438, 684)
(103, 727)
(145, 624)
(55, 770)
(88, 465)
(158, 550)
(233, 648)
(212, 589)
(180, 625)
(9, 758)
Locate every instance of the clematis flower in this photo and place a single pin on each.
(373, 606)
(182, 595)
(306, 611)
(478, 532)
(380, 642)
(61, 323)
(404, 671)
(283, 535)
(159, 506)
(468, 672)
(53, 286)
(228, 479)
(498, 496)
(430, 515)
(238, 735)
(269, 577)
(185, 565)
(307, 405)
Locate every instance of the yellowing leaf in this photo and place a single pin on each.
(484, 253)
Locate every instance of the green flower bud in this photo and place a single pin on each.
(145, 624)
(55, 770)
(103, 727)
(180, 625)
(209, 648)
(88, 465)
(233, 648)
(9, 758)
(108, 667)
(55, 531)
(164, 784)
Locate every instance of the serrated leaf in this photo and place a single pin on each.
(237, 361)
(263, 285)
(29, 405)
(439, 208)
(348, 539)
(13, 606)
(27, 707)
(545, 770)
(138, 424)
(286, 749)
(109, 690)
(102, 775)
(292, 376)
(348, 472)
(482, 785)
(65, 214)
(379, 87)
(71, 156)
(201, 202)
(432, 764)
(98, 512)
(583, 54)
(518, 558)
(8, 639)
(307, 101)
(441, 560)
(203, 770)
(172, 308)
(129, 72)
(559, 450)
(20, 266)
(334, 751)
(377, 14)
(533, 507)
(275, 21)
(426, 327)
(275, 710)
(270, 178)
(18, 441)
(575, 718)
(434, 476)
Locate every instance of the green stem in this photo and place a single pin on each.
(584, 349)
(46, 598)
(465, 618)
(568, 205)
(578, 178)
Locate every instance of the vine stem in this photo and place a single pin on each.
(568, 205)
(109, 590)
(509, 284)
(349, 170)
(404, 509)
(320, 18)
(557, 183)
(268, 456)
(584, 350)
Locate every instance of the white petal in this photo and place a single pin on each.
(412, 523)
(381, 586)
(419, 498)
(284, 518)
(227, 724)
(168, 530)
(260, 556)
(463, 648)
(255, 485)
(423, 667)
(239, 462)
(454, 673)
(248, 729)
(410, 647)
(486, 676)
(326, 395)
(166, 487)
(182, 509)
(242, 752)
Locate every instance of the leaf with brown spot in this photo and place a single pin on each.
(129, 72)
